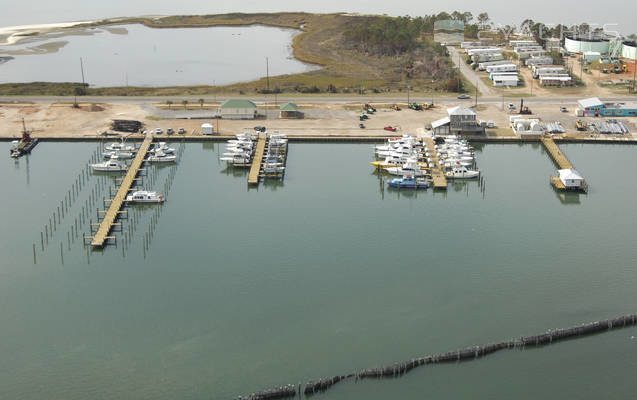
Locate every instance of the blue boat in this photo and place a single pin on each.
(409, 182)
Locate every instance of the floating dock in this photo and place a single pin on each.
(257, 158)
(114, 210)
(437, 174)
(562, 163)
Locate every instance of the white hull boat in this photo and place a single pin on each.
(120, 155)
(143, 196)
(110, 166)
(461, 172)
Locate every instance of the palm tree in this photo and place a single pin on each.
(185, 103)
(170, 103)
(201, 101)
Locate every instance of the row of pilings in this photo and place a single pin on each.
(471, 353)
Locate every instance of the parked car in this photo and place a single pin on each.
(464, 97)
(259, 128)
(511, 106)
(181, 131)
(159, 131)
(563, 109)
(390, 128)
(169, 131)
(362, 126)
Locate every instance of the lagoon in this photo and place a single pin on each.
(136, 55)
(328, 273)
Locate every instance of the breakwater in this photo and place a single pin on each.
(466, 354)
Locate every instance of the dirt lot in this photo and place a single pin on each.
(58, 120)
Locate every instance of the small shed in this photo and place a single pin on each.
(290, 110)
(238, 109)
(441, 126)
(571, 178)
(207, 129)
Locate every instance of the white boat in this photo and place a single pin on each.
(452, 163)
(273, 168)
(121, 146)
(160, 156)
(119, 155)
(143, 196)
(110, 166)
(236, 158)
(162, 146)
(461, 172)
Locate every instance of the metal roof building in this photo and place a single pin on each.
(238, 109)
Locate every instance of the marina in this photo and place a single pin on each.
(309, 307)
(115, 209)
(568, 178)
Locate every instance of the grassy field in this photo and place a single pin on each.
(342, 71)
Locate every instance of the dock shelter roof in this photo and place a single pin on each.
(289, 107)
(589, 103)
(569, 174)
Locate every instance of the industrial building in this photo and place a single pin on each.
(629, 50)
(594, 107)
(580, 44)
(238, 109)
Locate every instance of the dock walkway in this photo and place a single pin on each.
(437, 175)
(114, 209)
(556, 154)
(253, 177)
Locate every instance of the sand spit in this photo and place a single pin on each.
(11, 35)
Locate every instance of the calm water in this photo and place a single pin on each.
(158, 57)
(326, 274)
(550, 12)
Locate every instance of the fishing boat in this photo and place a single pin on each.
(162, 146)
(160, 156)
(236, 158)
(461, 172)
(121, 155)
(143, 196)
(110, 166)
(24, 145)
(409, 182)
(273, 168)
(121, 146)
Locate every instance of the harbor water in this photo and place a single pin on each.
(223, 290)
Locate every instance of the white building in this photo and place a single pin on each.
(483, 65)
(502, 68)
(505, 80)
(538, 61)
(526, 127)
(207, 129)
(521, 43)
(570, 178)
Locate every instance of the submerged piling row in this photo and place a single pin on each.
(271, 394)
(471, 353)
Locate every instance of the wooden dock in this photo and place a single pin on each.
(437, 174)
(114, 210)
(556, 154)
(253, 177)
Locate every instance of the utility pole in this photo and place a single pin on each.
(476, 94)
(82, 69)
(214, 88)
(267, 73)
(634, 73)
(408, 88)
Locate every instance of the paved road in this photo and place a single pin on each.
(469, 73)
(317, 99)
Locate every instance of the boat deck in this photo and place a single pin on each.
(114, 209)
(253, 177)
(437, 175)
